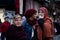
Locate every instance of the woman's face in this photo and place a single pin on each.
(34, 16)
(41, 14)
(18, 21)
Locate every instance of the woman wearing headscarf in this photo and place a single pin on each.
(46, 24)
(31, 25)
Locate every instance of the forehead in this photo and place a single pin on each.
(18, 18)
(40, 10)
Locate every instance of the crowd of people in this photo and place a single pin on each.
(34, 27)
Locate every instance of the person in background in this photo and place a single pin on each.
(46, 24)
(31, 25)
(57, 26)
(0, 27)
(5, 26)
(23, 18)
(16, 30)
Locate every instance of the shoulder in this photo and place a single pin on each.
(3, 23)
(25, 23)
(11, 26)
(48, 22)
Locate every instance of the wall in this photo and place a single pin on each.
(1, 14)
(21, 6)
(32, 4)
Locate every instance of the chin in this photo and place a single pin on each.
(18, 25)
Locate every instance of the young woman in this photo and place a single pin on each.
(31, 25)
(46, 24)
(16, 31)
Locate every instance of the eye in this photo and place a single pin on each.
(20, 20)
(16, 20)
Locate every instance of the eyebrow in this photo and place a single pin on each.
(18, 17)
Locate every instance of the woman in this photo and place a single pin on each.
(31, 25)
(46, 24)
(16, 31)
(4, 28)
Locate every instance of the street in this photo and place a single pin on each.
(57, 37)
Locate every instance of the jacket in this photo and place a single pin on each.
(16, 33)
(28, 29)
(48, 26)
(5, 26)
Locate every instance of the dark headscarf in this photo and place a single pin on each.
(28, 14)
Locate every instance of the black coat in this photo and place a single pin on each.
(16, 33)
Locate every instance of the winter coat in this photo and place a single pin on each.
(28, 29)
(16, 33)
(48, 26)
(5, 26)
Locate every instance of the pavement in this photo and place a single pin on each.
(56, 37)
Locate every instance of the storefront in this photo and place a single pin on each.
(7, 7)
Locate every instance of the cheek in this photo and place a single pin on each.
(42, 14)
(20, 22)
(35, 16)
(15, 22)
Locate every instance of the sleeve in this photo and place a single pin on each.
(39, 33)
(47, 29)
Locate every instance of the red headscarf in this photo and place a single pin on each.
(29, 14)
(45, 13)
